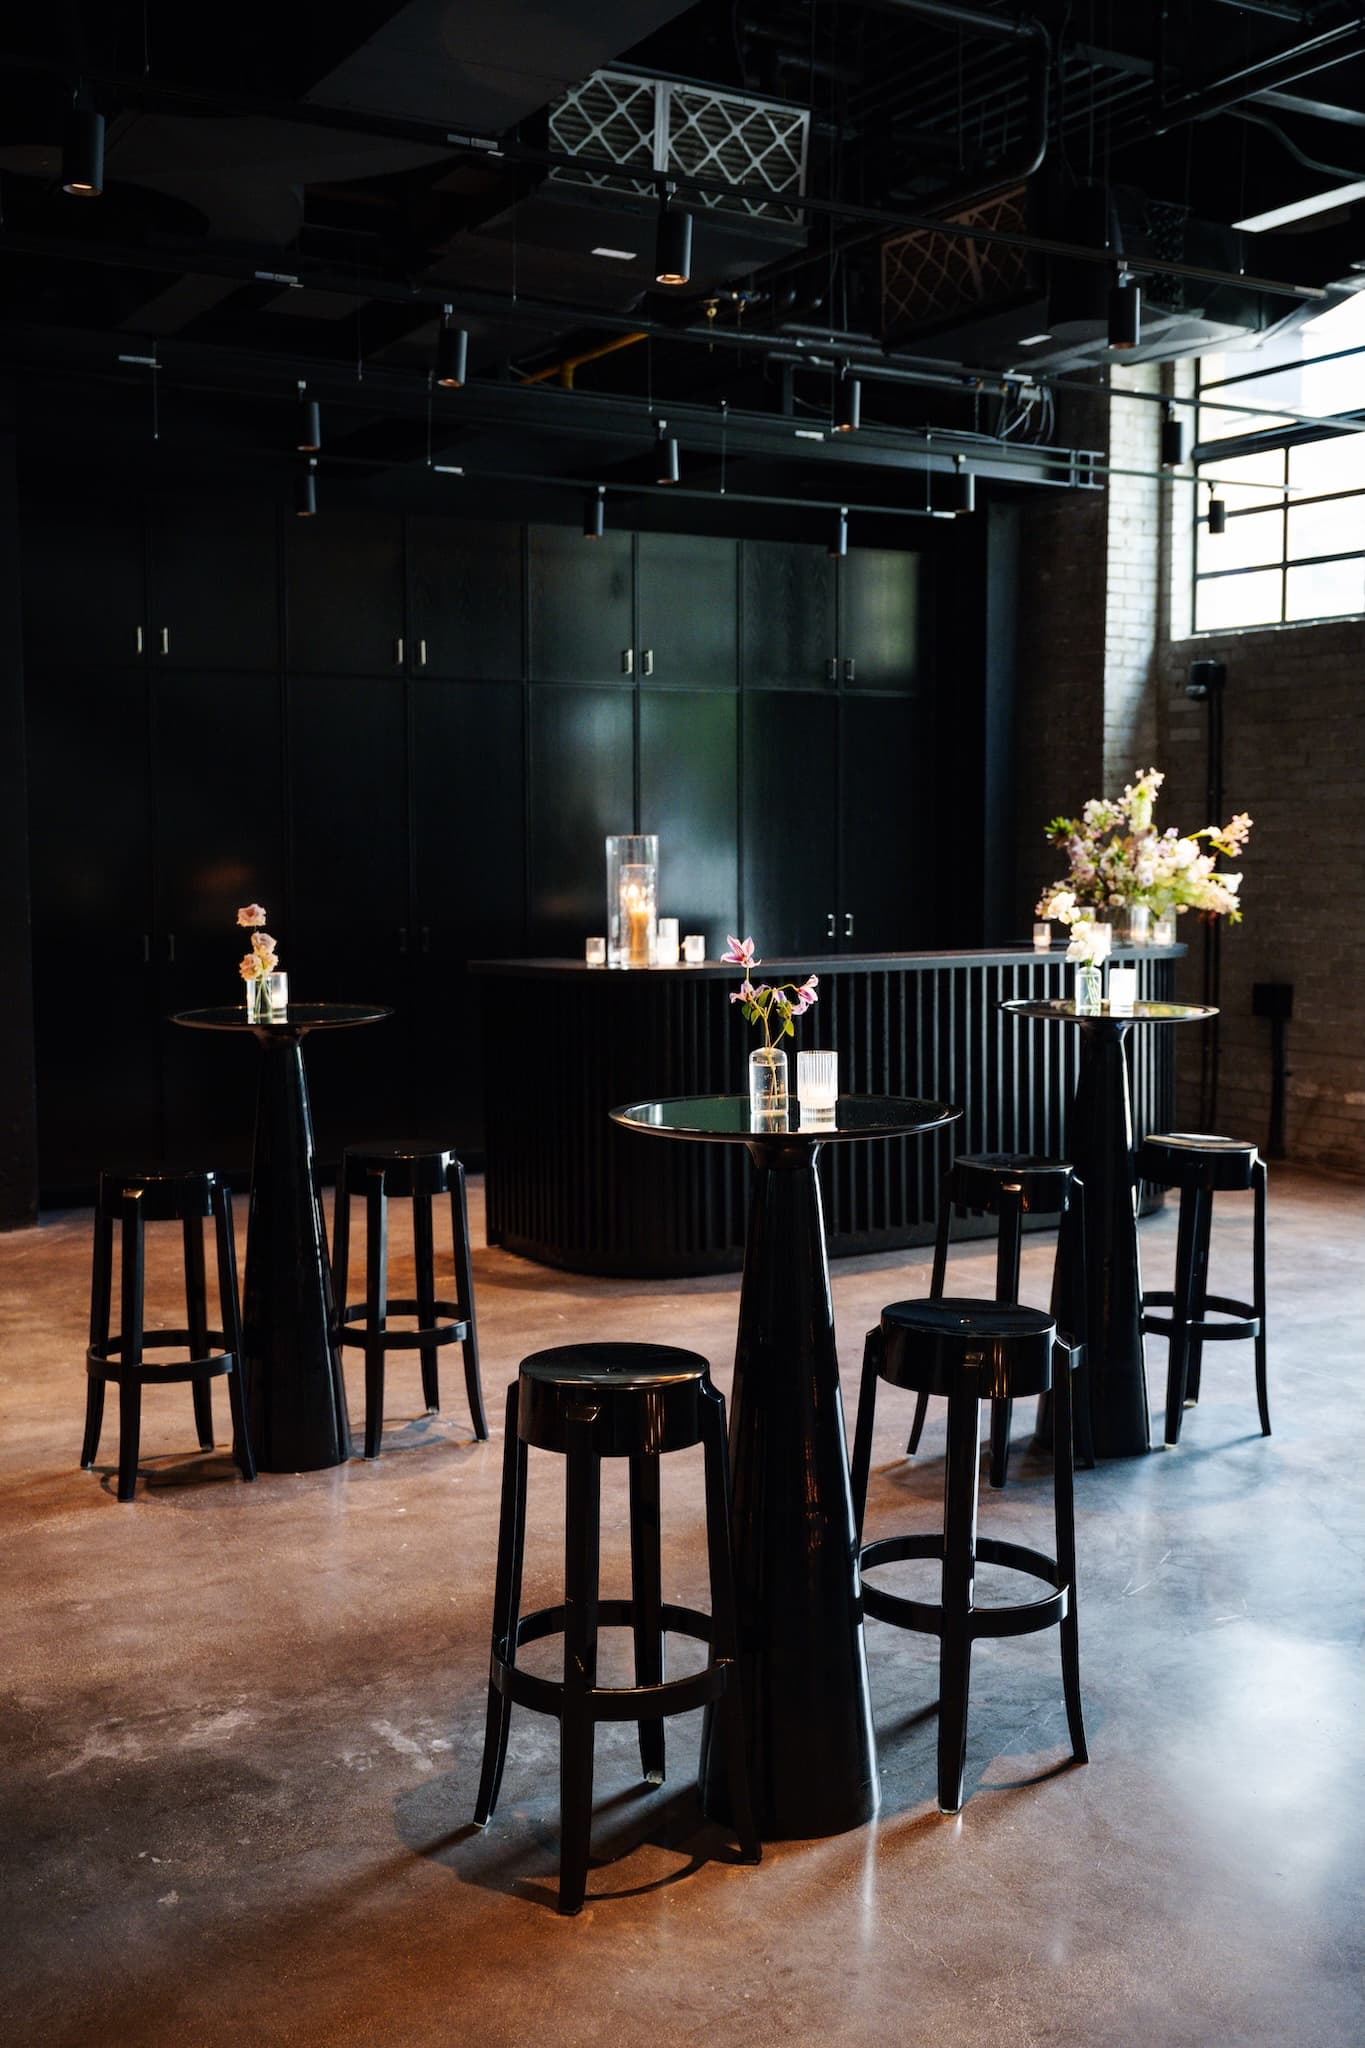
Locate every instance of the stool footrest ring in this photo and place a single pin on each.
(213, 1365)
(610, 1702)
(1246, 1324)
(1018, 1618)
(453, 1332)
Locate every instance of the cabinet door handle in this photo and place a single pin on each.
(648, 660)
(402, 938)
(848, 924)
(146, 949)
(165, 639)
(831, 670)
(627, 661)
(421, 654)
(140, 646)
(829, 926)
(170, 947)
(426, 938)
(398, 652)
(850, 669)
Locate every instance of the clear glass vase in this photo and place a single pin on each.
(1132, 924)
(258, 1000)
(767, 1083)
(1089, 988)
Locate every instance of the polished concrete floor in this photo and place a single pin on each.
(242, 1724)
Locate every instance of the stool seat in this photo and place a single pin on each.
(589, 1402)
(412, 1166)
(931, 1346)
(1043, 1185)
(165, 1195)
(1189, 1159)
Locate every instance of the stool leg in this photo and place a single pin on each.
(197, 1316)
(1203, 1231)
(862, 1434)
(341, 1239)
(101, 1300)
(725, 1618)
(647, 1601)
(130, 1356)
(376, 1306)
(936, 1286)
(230, 1311)
(1182, 1308)
(464, 1284)
(1069, 1314)
(1258, 1182)
(424, 1253)
(582, 1517)
(506, 1608)
(1064, 1501)
(959, 1576)
(1007, 1250)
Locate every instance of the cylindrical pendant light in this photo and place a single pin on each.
(83, 153)
(452, 353)
(666, 468)
(305, 494)
(848, 404)
(672, 244)
(1172, 440)
(310, 424)
(594, 514)
(956, 492)
(1218, 513)
(1125, 313)
(838, 543)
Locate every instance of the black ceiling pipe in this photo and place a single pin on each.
(1329, 46)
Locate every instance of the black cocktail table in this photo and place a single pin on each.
(295, 1393)
(813, 1767)
(1100, 1141)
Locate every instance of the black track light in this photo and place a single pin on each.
(594, 514)
(452, 354)
(666, 470)
(838, 544)
(1218, 513)
(957, 490)
(672, 244)
(310, 424)
(83, 153)
(1125, 313)
(1172, 440)
(306, 494)
(848, 404)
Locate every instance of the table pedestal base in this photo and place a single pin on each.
(812, 1760)
(295, 1393)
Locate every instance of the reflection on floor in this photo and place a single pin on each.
(242, 1724)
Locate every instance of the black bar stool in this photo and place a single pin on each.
(420, 1172)
(132, 1200)
(588, 1402)
(1012, 1185)
(1201, 1167)
(973, 1351)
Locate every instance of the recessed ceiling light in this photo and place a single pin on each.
(1031, 340)
(808, 434)
(617, 255)
(1302, 209)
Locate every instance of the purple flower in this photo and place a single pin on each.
(805, 996)
(739, 952)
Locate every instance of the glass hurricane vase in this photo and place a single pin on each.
(767, 1082)
(258, 999)
(1089, 988)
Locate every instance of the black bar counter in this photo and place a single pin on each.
(567, 1043)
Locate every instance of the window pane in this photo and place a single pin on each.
(1335, 526)
(1325, 590)
(1222, 601)
(1222, 422)
(1336, 464)
(1267, 468)
(1248, 542)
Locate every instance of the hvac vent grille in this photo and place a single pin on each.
(928, 277)
(756, 146)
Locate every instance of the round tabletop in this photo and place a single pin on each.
(1058, 1010)
(298, 1017)
(728, 1119)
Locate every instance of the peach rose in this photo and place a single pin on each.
(251, 967)
(251, 914)
(261, 942)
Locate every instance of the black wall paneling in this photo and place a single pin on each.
(791, 820)
(790, 617)
(83, 588)
(881, 636)
(212, 584)
(689, 789)
(347, 609)
(582, 606)
(688, 611)
(582, 786)
(886, 814)
(465, 599)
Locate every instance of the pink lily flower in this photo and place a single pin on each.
(739, 952)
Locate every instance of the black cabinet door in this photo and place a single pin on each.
(213, 598)
(887, 881)
(84, 604)
(790, 820)
(581, 606)
(880, 619)
(97, 1023)
(582, 777)
(345, 591)
(349, 937)
(688, 598)
(469, 846)
(689, 763)
(790, 622)
(218, 842)
(465, 606)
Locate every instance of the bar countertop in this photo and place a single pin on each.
(789, 967)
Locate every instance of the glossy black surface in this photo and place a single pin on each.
(1101, 1147)
(790, 835)
(582, 782)
(689, 795)
(346, 593)
(803, 1663)
(464, 594)
(687, 595)
(582, 606)
(295, 1393)
(729, 1118)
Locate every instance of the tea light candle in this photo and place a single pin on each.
(817, 1082)
(1122, 990)
(1042, 938)
(595, 952)
(277, 991)
(694, 948)
(666, 948)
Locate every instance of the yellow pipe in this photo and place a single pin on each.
(564, 370)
